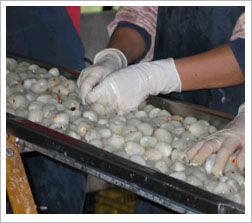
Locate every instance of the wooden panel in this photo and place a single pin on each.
(17, 184)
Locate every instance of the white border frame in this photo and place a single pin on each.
(117, 218)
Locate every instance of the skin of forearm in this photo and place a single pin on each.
(212, 69)
(129, 41)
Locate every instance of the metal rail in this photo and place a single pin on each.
(165, 190)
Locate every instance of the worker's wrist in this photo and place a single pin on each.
(114, 56)
(176, 75)
(164, 77)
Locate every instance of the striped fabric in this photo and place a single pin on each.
(143, 16)
(239, 29)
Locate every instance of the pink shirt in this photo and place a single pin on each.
(143, 16)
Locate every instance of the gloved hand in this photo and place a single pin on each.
(224, 142)
(105, 62)
(126, 88)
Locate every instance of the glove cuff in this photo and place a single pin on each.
(179, 87)
(241, 108)
(112, 53)
(164, 77)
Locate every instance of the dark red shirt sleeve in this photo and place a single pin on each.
(74, 13)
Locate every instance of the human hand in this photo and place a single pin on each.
(126, 88)
(224, 142)
(105, 62)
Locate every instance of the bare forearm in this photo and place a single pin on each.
(130, 42)
(212, 69)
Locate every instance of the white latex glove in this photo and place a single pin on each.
(224, 142)
(105, 62)
(126, 88)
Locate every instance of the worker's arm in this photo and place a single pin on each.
(130, 42)
(220, 67)
(212, 69)
(142, 21)
(125, 89)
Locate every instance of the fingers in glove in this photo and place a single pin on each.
(88, 84)
(194, 149)
(209, 147)
(84, 73)
(94, 95)
(85, 89)
(105, 93)
(226, 150)
(241, 158)
(80, 79)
